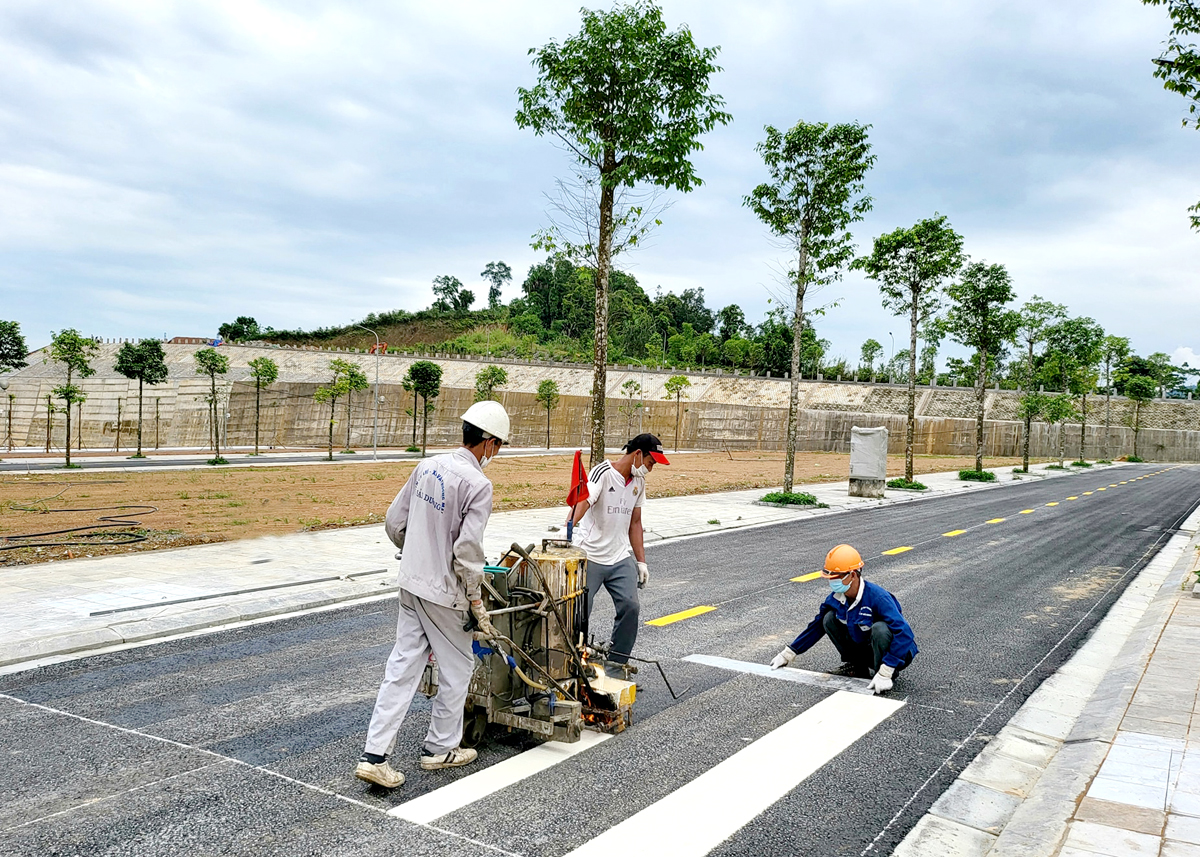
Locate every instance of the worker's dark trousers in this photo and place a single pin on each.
(620, 579)
(865, 654)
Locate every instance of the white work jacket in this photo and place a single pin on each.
(438, 519)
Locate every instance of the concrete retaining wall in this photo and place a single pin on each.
(721, 411)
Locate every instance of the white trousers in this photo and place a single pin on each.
(422, 627)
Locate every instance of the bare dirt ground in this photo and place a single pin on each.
(146, 510)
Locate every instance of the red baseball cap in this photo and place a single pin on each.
(648, 444)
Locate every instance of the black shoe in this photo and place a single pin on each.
(852, 670)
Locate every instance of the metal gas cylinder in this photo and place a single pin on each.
(561, 573)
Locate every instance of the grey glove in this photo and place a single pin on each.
(486, 629)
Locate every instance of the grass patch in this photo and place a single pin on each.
(1134, 459)
(218, 460)
(901, 482)
(1104, 461)
(1055, 467)
(412, 449)
(80, 466)
(714, 522)
(977, 476)
(348, 452)
(794, 498)
(1081, 463)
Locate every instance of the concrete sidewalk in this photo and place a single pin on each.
(58, 609)
(1104, 757)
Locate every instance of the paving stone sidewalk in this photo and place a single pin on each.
(55, 609)
(1103, 760)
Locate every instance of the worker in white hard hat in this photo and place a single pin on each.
(437, 520)
(610, 518)
(862, 620)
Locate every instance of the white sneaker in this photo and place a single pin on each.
(454, 758)
(381, 774)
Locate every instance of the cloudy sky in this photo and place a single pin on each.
(166, 167)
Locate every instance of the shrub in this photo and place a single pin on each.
(977, 476)
(1134, 459)
(1081, 463)
(794, 498)
(412, 449)
(1055, 467)
(901, 482)
(1019, 470)
(1104, 461)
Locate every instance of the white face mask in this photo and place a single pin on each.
(641, 470)
(485, 460)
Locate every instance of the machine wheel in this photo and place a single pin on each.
(475, 724)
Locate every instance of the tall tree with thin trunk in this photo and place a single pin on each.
(356, 380)
(1073, 350)
(1112, 355)
(75, 352)
(497, 274)
(978, 318)
(487, 380)
(911, 265)
(547, 397)
(427, 383)
(265, 372)
(814, 194)
(409, 387)
(629, 100)
(676, 387)
(1036, 315)
(1140, 389)
(212, 363)
(147, 363)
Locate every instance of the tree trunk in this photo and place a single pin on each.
(138, 454)
(1028, 419)
(414, 439)
(980, 392)
(332, 411)
(349, 393)
(910, 429)
(68, 409)
(79, 427)
(1137, 413)
(1107, 406)
(257, 411)
(1082, 424)
(789, 455)
(678, 402)
(118, 428)
(424, 423)
(600, 350)
(216, 427)
(1062, 443)
(547, 428)
(50, 422)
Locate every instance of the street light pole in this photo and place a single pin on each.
(9, 396)
(375, 425)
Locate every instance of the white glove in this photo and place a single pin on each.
(643, 574)
(487, 630)
(882, 682)
(783, 658)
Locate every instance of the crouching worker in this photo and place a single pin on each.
(862, 620)
(438, 520)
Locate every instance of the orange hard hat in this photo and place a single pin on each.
(841, 560)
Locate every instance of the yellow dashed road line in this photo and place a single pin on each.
(1072, 498)
(806, 577)
(1087, 493)
(681, 615)
(953, 533)
(995, 521)
(895, 551)
(1052, 504)
(1027, 511)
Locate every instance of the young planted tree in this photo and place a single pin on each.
(1113, 353)
(979, 319)
(427, 383)
(265, 372)
(632, 391)
(1073, 350)
(409, 387)
(1036, 316)
(629, 101)
(147, 363)
(869, 357)
(75, 352)
(1056, 410)
(212, 363)
(676, 386)
(1140, 389)
(498, 275)
(547, 397)
(910, 266)
(814, 194)
(487, 380)
(12, 347)
(356, 380)
(1179, 65)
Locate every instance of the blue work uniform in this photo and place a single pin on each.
(873, 604)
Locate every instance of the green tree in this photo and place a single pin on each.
(427, 383)
(814, 194)
(410, 387)
(629, 100)
(147, 363)
(265, 372)
(547, 397)
(244, 327)
(869, 356)
(1162, 370)
(979, 319)
(451, 295)
(75, 352)
(12, 347)
(1113, 353)
(1140, 389)
(347, 377)
(1036, 315)
(212, 363)
(355, 381)
(1178, 67)
(676, 387)
(487, 380)
(1056, 410)
(910, 266)
(632, 391)
(498, 275)
(732, 322)
(1073, 350)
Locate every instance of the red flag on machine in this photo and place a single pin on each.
(578, 481)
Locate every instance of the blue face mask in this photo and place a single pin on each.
(838, 586)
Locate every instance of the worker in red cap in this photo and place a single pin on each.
(862, 620)
(610, 519)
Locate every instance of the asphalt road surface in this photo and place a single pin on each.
(244, 742)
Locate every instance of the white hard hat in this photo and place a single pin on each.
(489, 416)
